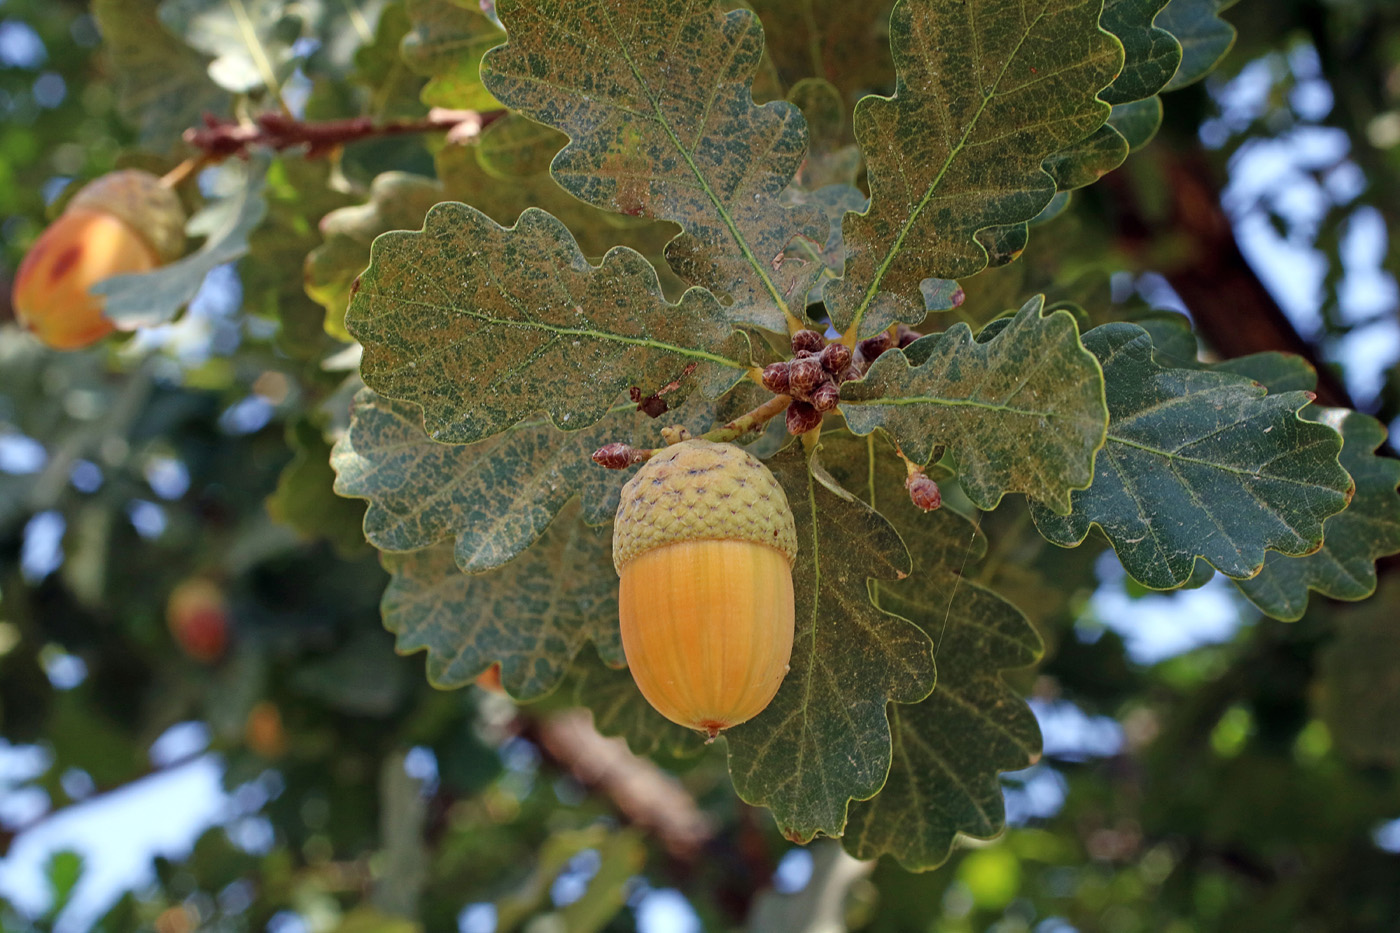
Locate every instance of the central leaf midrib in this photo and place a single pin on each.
(1224, 468)
(938, 179)
(893, 401)
(729, 223)
(574, 332)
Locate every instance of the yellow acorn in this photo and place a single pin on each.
(124, 222)
(704, 544)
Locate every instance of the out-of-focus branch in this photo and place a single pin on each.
(645, 795)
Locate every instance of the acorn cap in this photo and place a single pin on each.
(699, 490)
(143, 203)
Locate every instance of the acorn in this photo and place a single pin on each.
(704, 544)
(124, 222)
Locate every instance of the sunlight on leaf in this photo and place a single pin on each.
(484, 325)
(655, 97)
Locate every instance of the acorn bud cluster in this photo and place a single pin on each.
(812, 377)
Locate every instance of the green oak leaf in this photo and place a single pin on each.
(304, 500)
(949, 747)
(1345, 567)
(1022, 412)
(1137, 122)
(619, 709)
(843, 41)
(1151, 54)
(531, 615)
(484, 325)
(825, 739)
(1277, 372)
(1150, 57)
(987, 91)
(656, 98)
(397, 201)
(392, 86)
(162, 85)
(298, 195)
(1200, 464)
(445, 45)
(250, 41)
(1204, 37)
(515, 147)
(494, 497)
(155, 297)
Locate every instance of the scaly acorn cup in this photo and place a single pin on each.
(123, 222)
(704, 543)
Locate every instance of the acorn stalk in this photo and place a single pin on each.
(703, 544)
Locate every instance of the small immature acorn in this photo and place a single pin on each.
(807, 341)
(704, 543)
(124, 222)
(871, 348)
(835, 358)
(923, 492)
(804, 376)
(905, 335)
(198, 617)
(802, 417)
(775, 378)
(826, 398)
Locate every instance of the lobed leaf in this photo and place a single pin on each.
(397, 201)
(531, 615)
(1151, 54)
(1021, 412)
(656, 98)
(446, 44)
(1204, 37)
(987, 90)
(1369, 528)
(493, 498)
(825, 738)
(949, 747)
(483, 325)
(1199, 464)
(156, 297)
(303, 499)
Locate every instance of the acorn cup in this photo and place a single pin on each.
(124, 222)
(704, 544)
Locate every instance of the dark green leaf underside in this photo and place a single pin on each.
(1200, 464)
(1345, 567)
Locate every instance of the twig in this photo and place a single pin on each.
(219, 139)
(619, 456)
